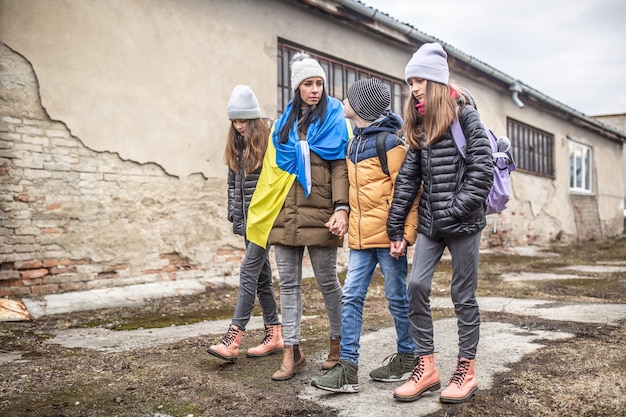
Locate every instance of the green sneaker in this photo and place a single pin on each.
(342, 378)
(396, 367)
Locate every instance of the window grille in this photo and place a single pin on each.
(532, 148)
(340, 75)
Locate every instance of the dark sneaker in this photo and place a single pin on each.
(397, 367)
(342, 378)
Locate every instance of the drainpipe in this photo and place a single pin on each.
(516, 88)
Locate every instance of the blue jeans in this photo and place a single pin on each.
(361, 267)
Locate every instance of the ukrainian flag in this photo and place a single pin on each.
(284, 163)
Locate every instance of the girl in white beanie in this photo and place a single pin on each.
(451, 215)
(245, 147)
(301, 203)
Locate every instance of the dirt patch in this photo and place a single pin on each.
(583, 376)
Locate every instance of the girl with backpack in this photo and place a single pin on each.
(451, 215)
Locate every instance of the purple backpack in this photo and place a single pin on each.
(503, 165)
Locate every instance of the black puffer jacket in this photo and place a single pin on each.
(240, 190)
(454, 189)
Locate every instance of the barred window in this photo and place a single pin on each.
(340, 75)
(580, 161)
(533, 149)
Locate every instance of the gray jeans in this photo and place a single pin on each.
(324, 263)
(464, 250)
(255, 278)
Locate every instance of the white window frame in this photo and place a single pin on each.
(580, 168)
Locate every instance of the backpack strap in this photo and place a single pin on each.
(459, 136)
(381, 150)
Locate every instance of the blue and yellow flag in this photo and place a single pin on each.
(268, 198)
(284, 163)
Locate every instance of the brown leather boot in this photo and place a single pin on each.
(463, 383)
(228, 348)
(272, 343)
(333, 355)
(425, 377)
(290, 363)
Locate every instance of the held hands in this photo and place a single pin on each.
(338, 223)
(397, 249)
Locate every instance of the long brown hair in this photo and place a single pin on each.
(440, 111)
(249, 150)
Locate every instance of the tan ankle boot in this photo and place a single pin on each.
(272, 343)
(228, 348)
(333, 354)
(463, 383)
(288, 366)
(425, 377)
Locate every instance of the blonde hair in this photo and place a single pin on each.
(440, 111)
(249, 150)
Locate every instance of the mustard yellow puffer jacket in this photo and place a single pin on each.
(371, 190)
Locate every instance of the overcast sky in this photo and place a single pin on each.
(571, 51)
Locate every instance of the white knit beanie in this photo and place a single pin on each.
(303, 67)
(429, 62)
(243, 104)
(369, 98)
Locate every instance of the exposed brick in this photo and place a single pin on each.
(45, 289)
(33, 273)
(47, 263)
(32, 282)
(10, 274)
(114, 267)
(107, 275)
(61, 270)
(24, 198)
(14, 291)
(72, 286)
(28, 264)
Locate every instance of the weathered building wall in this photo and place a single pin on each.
(619, 121)
(73, 218)
(148, 80)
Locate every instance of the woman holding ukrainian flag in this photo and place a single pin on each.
(301, 201)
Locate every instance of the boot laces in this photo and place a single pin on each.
(343, 377)
(269, 333)
(229, 337)
(340, 369)
(393, 362)
(461, 372)
(418, 370)
(389, 359)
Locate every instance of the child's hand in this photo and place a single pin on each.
(338, 223)
(397, 249)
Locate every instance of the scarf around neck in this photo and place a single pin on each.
(327, 139)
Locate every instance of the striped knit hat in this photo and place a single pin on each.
(369, 98)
